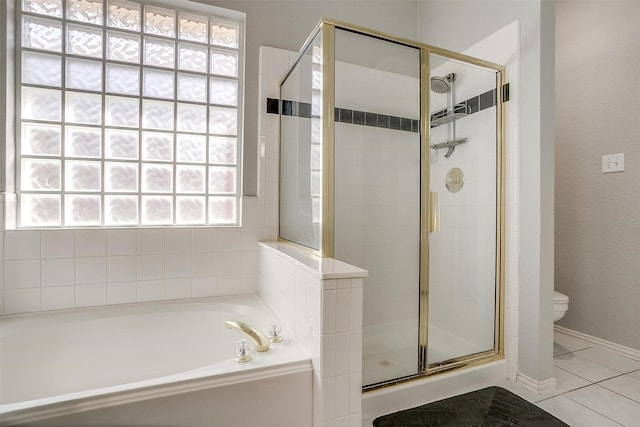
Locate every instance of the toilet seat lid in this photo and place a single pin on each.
(558, 297)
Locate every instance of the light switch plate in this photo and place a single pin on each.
(613, 163)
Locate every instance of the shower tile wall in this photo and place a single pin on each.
(501, 47)
(462, 253)
(377, 205)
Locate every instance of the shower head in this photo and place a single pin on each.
(439, 84)
(442, 84)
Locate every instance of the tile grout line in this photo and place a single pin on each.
(575, 375)
(592, 410)
(611, 351)
(613, 391)
(591, 383)
(601, 364)
(572, 351)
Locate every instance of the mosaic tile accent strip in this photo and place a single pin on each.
(475, 104)
(385, 121)
(292, 108)
(344, 115)
(472, 105)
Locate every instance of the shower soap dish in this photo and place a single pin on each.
(450, 144)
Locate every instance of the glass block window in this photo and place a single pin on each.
(129, 114)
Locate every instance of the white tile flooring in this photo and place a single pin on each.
(596, 387)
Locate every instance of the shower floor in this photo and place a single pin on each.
(388, 355)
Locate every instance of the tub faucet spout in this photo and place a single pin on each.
(260, 341)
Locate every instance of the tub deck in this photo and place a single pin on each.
(56, 362)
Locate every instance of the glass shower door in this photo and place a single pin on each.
(377, 194)
(463, 176)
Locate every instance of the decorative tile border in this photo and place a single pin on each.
(385, 121)
(472, 105)
(344, 115)
(475, 104)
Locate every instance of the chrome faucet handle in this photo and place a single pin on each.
(274, 333)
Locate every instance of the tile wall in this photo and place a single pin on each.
(463, 253)
(324, 312)
(377, 194)
(58, 269)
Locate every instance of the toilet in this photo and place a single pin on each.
(560, 305)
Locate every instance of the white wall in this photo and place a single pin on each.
(597, 215)
(455, 25)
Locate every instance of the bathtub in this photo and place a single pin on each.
(169, 363)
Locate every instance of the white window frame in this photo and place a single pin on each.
(13, 149)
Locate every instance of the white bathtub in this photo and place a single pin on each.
(72, 367)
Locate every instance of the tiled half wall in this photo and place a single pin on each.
(319, 301)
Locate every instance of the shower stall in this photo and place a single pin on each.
(391, 159)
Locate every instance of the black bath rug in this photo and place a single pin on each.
(488, 407)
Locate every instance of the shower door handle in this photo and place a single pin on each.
(434, 212)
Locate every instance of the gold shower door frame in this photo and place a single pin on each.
(328, 27)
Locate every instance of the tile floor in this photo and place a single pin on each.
(596, 387)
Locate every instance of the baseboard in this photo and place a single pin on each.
(540, 387)
(618, 348)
